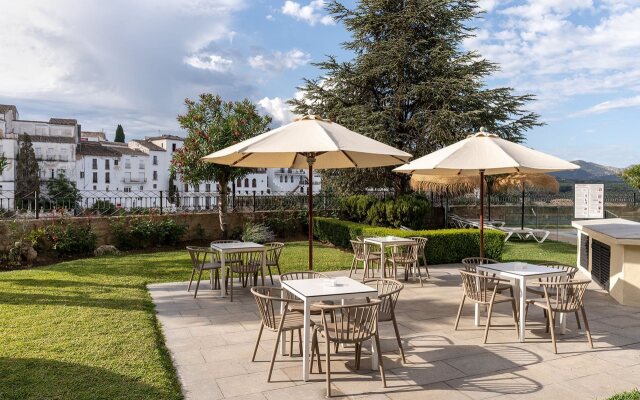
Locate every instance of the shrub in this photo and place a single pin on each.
(103, 207)
(258, 233)
(287, 223)
(444, 246)
(71, 238)
(136, 233)
(409, 210)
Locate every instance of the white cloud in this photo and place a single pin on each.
(279, 61)
(269, 17)
(311, 13)
(278, 108)
(211, 62)
(609, 105)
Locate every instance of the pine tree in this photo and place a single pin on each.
(119, 134)
(62, 193)
(27, 174)
(410, 84)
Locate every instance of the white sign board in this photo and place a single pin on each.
(589, 201)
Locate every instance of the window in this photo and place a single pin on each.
(141, 188)
(246, 182)
(173, 147)
(95, 187)
(186, 188)
(127, 163)
(239, 183)
(53, 173)
(254, 183)
(141, 177)
(106, 164)
(81, 174)
(107, 188)
(94, 163)
(301, 190)
(115, 162)
(196, 188)
(95, 177)
(107, 178)
(141, 164)
(155, 160)
(38, 152)
(127, 189)
(64, 156)
(61, 171)
(207, 187)
(155, 175)
(155, 186)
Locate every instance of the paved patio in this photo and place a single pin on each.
(211, 341)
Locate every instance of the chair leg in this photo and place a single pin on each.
(358, 353)
(419, 274)
(328, 365)
(455, 328)
(291, 344)
(300, 342)
(395, 328)
(578, 320)
(270, 276)
(197, 284)
(380, 363)
(231, 287)
(273, 355)
(353, 263)
(193, 272)
(515, 317)
(255, 349)
(552, 328)
(315, 350)
(486, 328)
(586, 326)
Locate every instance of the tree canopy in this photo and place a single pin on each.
(410, 84)
(631, 176)
(63, 193)
(213, 124)
(119, 134)
(27, 173)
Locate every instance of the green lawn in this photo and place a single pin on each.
(86, 329)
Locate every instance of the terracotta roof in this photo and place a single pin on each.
(6, 107)
(124, 149)
(49, 139)
(63, 121)
(95, 149)
(149, 145)
(169, 137)
(99, 135)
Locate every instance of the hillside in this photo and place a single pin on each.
(590, 172)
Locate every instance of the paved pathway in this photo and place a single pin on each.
(211, 341)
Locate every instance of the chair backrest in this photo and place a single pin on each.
(566, 296)
(470, 263)
(274, 249)
(478, 288)
(268, 300)
(361, 238)
(287, 276)
(359, 249)
(569, 269)
(422, 245)
(352, 323)
(251, 261)
(388, 293)
(199, 255)
(406, 252)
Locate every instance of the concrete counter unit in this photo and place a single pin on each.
(609, 249)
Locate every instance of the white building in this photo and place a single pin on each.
(135, 173)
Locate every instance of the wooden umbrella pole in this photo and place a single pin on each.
(522, 208)
(310, 160)
(481, 213)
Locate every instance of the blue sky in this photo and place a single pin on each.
(133, 63)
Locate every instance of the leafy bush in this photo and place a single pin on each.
(408, 210)
(71, 238)
(444, 245)
(258, 233)
(137, 233)
(103, 207)
(287, 223)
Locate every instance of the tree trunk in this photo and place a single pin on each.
(222, 206)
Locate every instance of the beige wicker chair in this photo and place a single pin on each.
(274, 249)
(268, 300)
(362, 254)
(199, 263)
(248, 266)
(482, 289)
(571, 271)
(470, 265)
(565, 298)
(422, 255)
(352, 324)
(405, 256)
(388, 293)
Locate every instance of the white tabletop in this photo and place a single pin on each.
(521, 269)
(389, 240)
(237, 246)
(321, 287)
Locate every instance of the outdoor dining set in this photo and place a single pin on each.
(345, 312)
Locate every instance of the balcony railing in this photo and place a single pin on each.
(134, 180)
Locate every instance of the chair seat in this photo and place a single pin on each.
(292, 321)
(501, 286)
(539, 291)
(542, 303)
(246, 268)
(372, 256)
(211, 265)
(500, 298)
(402, 260)
(314, 309)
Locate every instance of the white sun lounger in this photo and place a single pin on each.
(539, 235)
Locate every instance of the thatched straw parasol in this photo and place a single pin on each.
(520, 181)
(444, 185)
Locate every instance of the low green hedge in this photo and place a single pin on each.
(444, 246)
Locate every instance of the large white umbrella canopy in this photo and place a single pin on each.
(309, 142)
(485, 154)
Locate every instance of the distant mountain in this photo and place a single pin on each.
(590, 172)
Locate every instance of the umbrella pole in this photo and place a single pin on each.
(310, 160)
(522, 208)
(481, 213)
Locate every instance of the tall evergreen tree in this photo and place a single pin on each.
(410, 84)
(4, 163)
(119, 134)
(27, 174)
(62, 193)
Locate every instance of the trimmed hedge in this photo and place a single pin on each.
(411, 210)
(444, 246)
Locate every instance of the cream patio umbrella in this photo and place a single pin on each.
(484, 154)
(307, 143)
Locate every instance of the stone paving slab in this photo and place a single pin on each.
(211, 341)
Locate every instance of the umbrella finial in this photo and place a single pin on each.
(483, 129)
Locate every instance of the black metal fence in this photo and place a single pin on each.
(627, 198)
